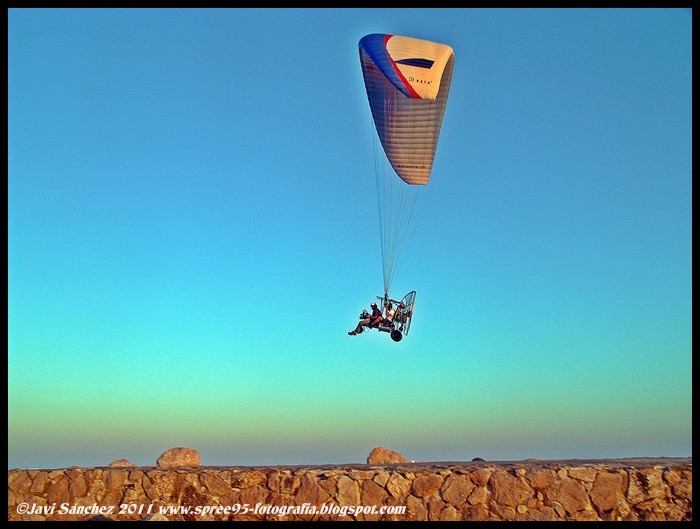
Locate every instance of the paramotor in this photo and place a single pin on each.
(407, 81)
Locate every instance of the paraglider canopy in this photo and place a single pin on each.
(407, 82)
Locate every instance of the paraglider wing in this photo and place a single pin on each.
(407, 82)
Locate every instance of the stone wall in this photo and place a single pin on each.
(626, 489)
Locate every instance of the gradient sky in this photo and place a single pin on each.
(192, 215)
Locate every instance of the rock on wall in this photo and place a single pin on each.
(627, 489)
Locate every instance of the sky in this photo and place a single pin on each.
(192, 232)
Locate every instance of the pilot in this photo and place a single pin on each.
(373, 320)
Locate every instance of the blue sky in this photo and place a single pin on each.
(192, 232)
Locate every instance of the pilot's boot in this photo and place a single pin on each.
(352, 333)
